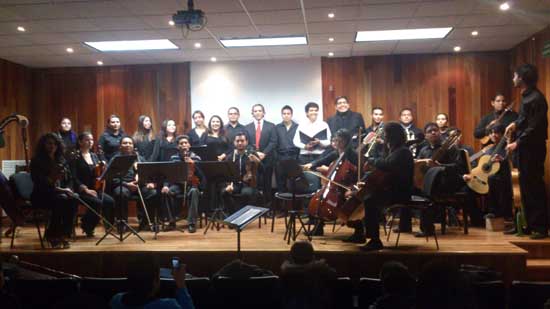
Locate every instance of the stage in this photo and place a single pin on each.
(517, 258)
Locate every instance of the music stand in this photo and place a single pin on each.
(243, 217)
(116, 169)
(216, 172)
(159, 173)
(200, 151)
(291, 170)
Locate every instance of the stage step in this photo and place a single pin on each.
(538, 269)
(537, 249)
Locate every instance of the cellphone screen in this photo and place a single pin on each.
(175, 263)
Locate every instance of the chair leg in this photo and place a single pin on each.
(391, 226)
(334, 226)
(436, 243)
(13, 230)
(37, 223)
(397, 240)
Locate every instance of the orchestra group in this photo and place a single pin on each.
(344, 162)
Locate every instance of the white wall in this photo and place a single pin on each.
(274, 83)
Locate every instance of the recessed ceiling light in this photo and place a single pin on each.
(330, 54)
(171, 23)
(109, 46)
(198, 45)
(331, 39)
(22, 29)
(504, 6)
(402, 34)
(273, 41)
(475, 33)
(330, 15)
(457, 48)
(213, 59)
(99, 62)
(70, 50)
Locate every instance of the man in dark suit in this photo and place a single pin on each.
(263, 138)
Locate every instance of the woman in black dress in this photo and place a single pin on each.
(198, 134)
(110, 139)
(165, 145)
(66, 134)
(53, 181)
(216, 138)
(144, 137)
(83, 168)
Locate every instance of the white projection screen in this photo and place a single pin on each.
(274, 83)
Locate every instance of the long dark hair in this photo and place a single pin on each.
(222, 131)
(164, 129)
(394, 134)
(143, 134)
(40, 150)
(109, 129)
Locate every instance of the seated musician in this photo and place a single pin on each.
(83, 167)
(192, 189)
(343, 151)
(500, 196)
(399, 166)
(246, 188)
(53, 181)
(129, 186)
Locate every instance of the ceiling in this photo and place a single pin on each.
(54, 25)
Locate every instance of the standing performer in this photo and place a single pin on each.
(200, 131)
(145, 137)
(67, 135)
(501, 114)
(216, 138)
(411, 131)
(345, 118)
(531, 130)
(286, 130)
(377, 129)
(84, 166)
(264, 139)
(233, 126)
(165, 145)
(111, 137)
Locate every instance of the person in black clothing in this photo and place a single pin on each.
(241, 156)
(442, 121)
(233, 126)
(411, 131)
(500, 106)
(264, 140)
(285, 146)
(67, 135)
(145, 137)
(192, 189)
(165, 145)
(53, 181)
(129, 186)
(346, 118)
(531, 130)
(200, 131)
(110, 139)
(376, 126)
(399, 164)
(83, 168)
(216, 141)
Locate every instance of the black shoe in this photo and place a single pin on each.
(319, 231)
(65, 244)
(89, 233)
(397, 229)
(191, 228)
(538, 235)
(372, 245)
(423, 234)
(355, 238)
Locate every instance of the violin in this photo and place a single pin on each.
(251, 175)
(191, 177)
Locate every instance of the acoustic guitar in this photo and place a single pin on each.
(485, 168)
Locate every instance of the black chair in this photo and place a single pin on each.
(490, 294)
(529, 294)
(293, 213)
(105, 288)
(343, 289)
(35, 293)
(255, 292)
(369, 290)
(199, 289)
(22, 187)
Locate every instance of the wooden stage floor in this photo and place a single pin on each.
(205, 254)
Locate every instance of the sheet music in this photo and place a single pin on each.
(8, 166)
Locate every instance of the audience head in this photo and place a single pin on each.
(377, 115)
(433, 135)
(301, 252)
(143, 275)
(396, 278)
(233, 114)
(258, 111)
(215, 124)
(394, 134)
(312, 111)
(113, 123)
(241, 141)
(406, 116)
(442, 120)
(49, 145)
(198, 118)
(65, 124)
(286, 113)
(85, 140)
(499, 102)
(526, 75)
(342, 104)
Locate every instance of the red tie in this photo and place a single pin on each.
(258, 134)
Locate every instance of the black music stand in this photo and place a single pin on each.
(159, 173)
(200, 151)
(116, 169)
(243, 217)
(217, 172)
(296, 182)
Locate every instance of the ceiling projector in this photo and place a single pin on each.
(192, 19)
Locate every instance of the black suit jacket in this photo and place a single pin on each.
(268, 139)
